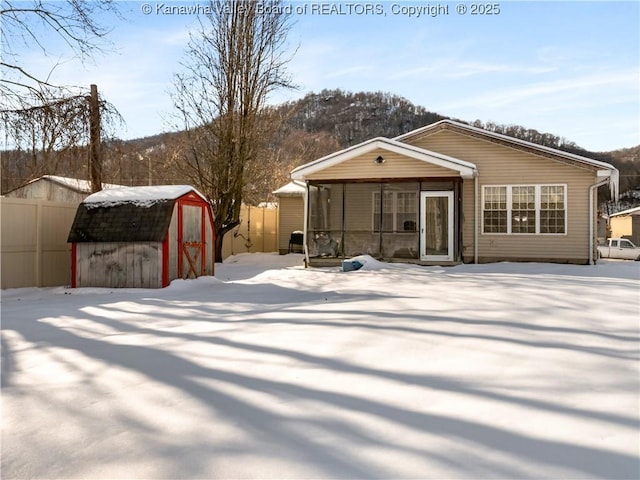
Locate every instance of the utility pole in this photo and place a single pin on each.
(95, 157)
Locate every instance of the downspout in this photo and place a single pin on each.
(592, 188)
(304, 230)
(381, 217)
(476, 215)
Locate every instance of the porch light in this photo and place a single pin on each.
(379, 159)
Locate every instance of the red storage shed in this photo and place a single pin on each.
(142, 237)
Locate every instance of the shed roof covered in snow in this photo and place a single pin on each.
(125, 222)
(139, 196)
(128, 214)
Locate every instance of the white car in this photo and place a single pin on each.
(619, 248)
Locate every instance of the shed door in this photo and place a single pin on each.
(191, 240)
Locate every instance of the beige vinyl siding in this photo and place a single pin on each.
(291, 218)
(46, 189)
(394, 166)
(621, 226)
(468, 219)
(501, 165)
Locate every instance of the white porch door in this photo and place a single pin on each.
(436, 226)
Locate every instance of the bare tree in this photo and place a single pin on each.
(51, 138)
(45, 125)
(34, 25)
(235, 60)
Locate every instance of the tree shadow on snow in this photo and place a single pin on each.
(303, 437)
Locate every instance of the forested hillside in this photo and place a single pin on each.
(314, 126)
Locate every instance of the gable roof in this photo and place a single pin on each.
(500, 138)
(126, 222)
(127, 214)
(80, 186)
(139, 196)
(74, 184)
(295, 188)
(604, 169)
(465, 169)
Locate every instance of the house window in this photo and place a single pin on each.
(552, 215)
(399, 212)
(524, 209)
(495, 209)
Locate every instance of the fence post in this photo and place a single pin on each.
(38, 255)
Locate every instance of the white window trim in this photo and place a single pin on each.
(394, 194)
(538, 205)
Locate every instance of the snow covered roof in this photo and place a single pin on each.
(83, 186)
(75, 184)
(630, 211)
(292, 189)
(139, 196)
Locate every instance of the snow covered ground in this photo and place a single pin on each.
(271, 370)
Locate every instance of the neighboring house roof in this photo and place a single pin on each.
(294, 188)
(605, 170)
(465, 169)
(128, 214)
(75, 184)
(631, 211)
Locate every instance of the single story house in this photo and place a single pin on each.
(448, 193)
(56, 189)
(626, 224)
(142, 237)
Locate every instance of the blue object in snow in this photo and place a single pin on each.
(351, 265)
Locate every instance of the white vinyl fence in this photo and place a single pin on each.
(258, 232)
(35, 252)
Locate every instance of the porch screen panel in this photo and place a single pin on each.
(361, 218)
(402, 239)
(325, 220)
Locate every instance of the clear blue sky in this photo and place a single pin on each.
(568, 68)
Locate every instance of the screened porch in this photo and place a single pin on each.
(414, 221)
